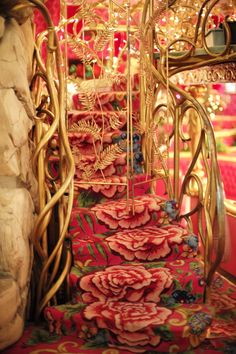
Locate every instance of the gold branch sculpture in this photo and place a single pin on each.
(50, 120)
(176, 50)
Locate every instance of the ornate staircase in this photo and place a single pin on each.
(137, 282)
(142, 262)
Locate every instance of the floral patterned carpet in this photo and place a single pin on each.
(164, 266)
(222, 339)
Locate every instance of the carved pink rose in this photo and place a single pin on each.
(127, 283)
(131, 322)
(146, 244)
(127, 214)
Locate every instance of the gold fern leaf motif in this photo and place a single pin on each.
(107, 156)
(104, 36)
(88, 100)
(114, 121)
(150, 87)
(88, 172)
(87, 127)
(117, 78)
(84, 11)
(84, 53)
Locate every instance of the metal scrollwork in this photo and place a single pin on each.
(183, 57)
(221, 73)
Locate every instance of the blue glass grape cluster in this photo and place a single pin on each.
(171, 209)
(138, 155)
(192, 241)
(138, 160)
(199, 322)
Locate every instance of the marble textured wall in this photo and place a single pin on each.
(18, 188)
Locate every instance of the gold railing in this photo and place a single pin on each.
(161, 59)
(52, 259)
(87, 52)
(176, 49)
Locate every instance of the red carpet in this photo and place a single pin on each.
(36, 339)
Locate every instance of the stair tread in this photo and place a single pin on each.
(136, 285)
(167, 283)
(99, 245)
(111, 186)
(129, 213)
(141, 178)
(118, 213)
(137, 327)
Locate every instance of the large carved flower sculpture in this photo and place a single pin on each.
(131, 322)
(146, 244)
(128, 214)
(126, 283)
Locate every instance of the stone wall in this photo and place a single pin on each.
(17, 185)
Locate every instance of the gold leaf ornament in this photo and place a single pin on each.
(84, 10)
(103, 36)
(82, 51)
(87, 127)
(107, 156)
(88, 172)
(88, 100)
(115, 122)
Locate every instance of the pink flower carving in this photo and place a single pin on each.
(146, 244)
(127, 213)
(127, 283)
(131, 322)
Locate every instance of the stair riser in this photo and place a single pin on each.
(171, 282)
(178, 330)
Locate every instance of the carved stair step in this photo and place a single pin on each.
(99, 189)
(165, 283)
(145, 244)
(113, 215)
(137, 327)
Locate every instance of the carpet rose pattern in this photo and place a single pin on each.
(147, 244)
(126, 283)
(128, 213)
(89, 283)
(131, 323)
